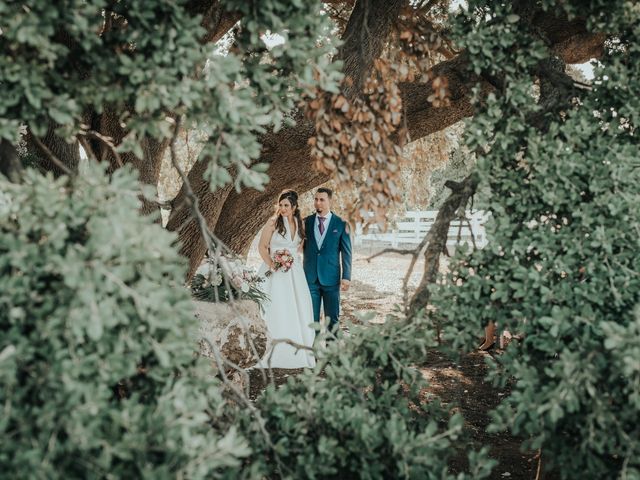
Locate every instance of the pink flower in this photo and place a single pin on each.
(283, 260)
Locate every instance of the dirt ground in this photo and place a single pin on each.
(377, 286)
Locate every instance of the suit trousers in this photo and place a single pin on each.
(330, 298)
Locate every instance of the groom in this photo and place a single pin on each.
(328, 245)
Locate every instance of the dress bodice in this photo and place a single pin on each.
(280, 242)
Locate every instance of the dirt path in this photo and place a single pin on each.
(463, 385)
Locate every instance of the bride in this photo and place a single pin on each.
(289, 312)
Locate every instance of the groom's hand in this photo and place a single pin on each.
(344, 285)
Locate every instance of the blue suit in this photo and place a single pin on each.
(322, 265)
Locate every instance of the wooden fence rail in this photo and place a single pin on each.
(413, 227)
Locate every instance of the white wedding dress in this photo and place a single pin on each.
(289, 312)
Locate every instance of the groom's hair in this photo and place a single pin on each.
(326, 190)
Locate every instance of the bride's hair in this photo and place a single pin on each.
(292, 196)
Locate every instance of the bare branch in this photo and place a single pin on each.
(247, 403)
(473, 236)
(391, 250)
(214, 245)
(108, 141)
(215, 19)
(52, 158)
(461, 193)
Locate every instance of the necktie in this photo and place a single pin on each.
(321, 224)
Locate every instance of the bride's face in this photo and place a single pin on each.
(284, 208)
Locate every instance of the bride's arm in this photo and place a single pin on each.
(265, 240)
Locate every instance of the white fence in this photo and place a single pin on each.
(413, 227)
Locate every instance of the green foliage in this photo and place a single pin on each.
(65, 61)
(96, 364)
(562, 266)
(367, 416)
(97, 372)
(62, 59)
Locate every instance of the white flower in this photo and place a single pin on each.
(216, 281)
(203, 269)
(236, 281)
(244, 287)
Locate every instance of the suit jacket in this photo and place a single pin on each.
(323, 264)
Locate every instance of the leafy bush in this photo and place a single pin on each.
(97, 372)
(366, 415)
(562, 266)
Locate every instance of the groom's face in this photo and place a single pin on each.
(322, 203)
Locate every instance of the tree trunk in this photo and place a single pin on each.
(236, 218)
(182, 221)
(10, 165)
(67, 153)
(245, 213)
(108, 125)
(439, 233)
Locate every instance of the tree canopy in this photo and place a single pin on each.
(95, 354)
(113, 78)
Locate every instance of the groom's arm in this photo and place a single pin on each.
(345, 254)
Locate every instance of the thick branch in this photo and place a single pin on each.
(215, 19)
(109, 132)
(569, 39)
(423, 118)
(53, 153)
(363, 39)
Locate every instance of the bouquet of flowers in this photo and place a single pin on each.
(220, 280)
(283, 260)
